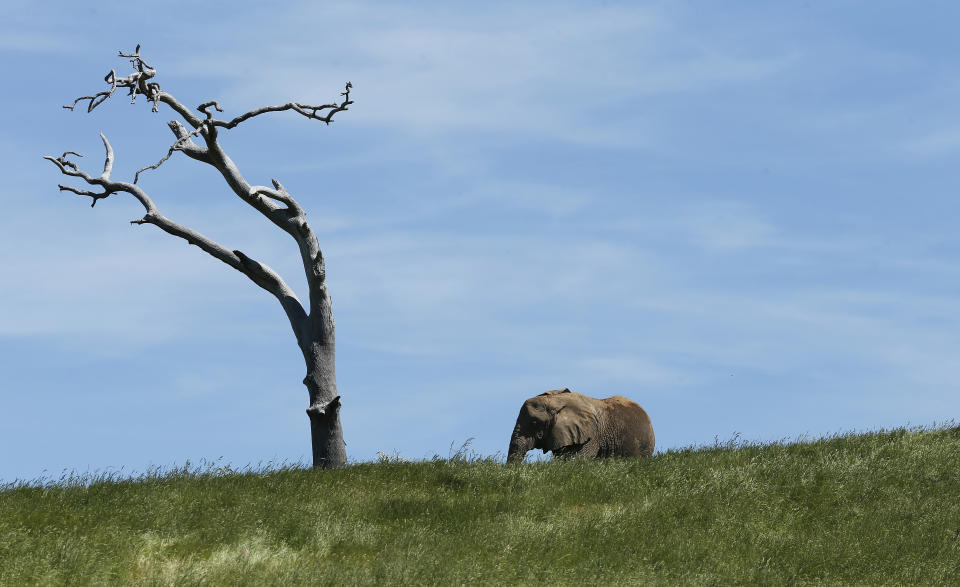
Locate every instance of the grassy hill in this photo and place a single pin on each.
(877, 508)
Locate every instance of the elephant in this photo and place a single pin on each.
(575, 425)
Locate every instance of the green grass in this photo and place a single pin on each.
(877, 508)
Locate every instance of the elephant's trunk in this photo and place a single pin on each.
(519, 446)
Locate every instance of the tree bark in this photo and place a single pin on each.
(326, 434)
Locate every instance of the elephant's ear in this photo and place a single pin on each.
(556, 391)
(575, 423)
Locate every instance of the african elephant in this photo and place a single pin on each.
(571, 424)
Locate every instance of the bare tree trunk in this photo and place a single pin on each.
(313, 325)
(326, 434)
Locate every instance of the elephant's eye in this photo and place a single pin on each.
(540, 433)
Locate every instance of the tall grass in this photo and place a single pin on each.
(876, 508)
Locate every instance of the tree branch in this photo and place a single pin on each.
(304, 109)
(70, 168)
(168, 99)
(279, 194)
(136, 82)
(291, 218)
(203, 108)
(259, 273)
(108, 164)
(276, 204)
(96, 196)
(184, 142)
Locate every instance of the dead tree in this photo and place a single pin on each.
(313, 326)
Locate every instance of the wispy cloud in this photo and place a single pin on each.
(523, 69)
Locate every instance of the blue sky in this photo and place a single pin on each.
(740, 215)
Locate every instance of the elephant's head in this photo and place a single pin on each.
(558, 421)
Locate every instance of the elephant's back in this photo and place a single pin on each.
(634, 426)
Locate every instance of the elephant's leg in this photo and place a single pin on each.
(567, 452)
(587, 450)
(590, 449)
